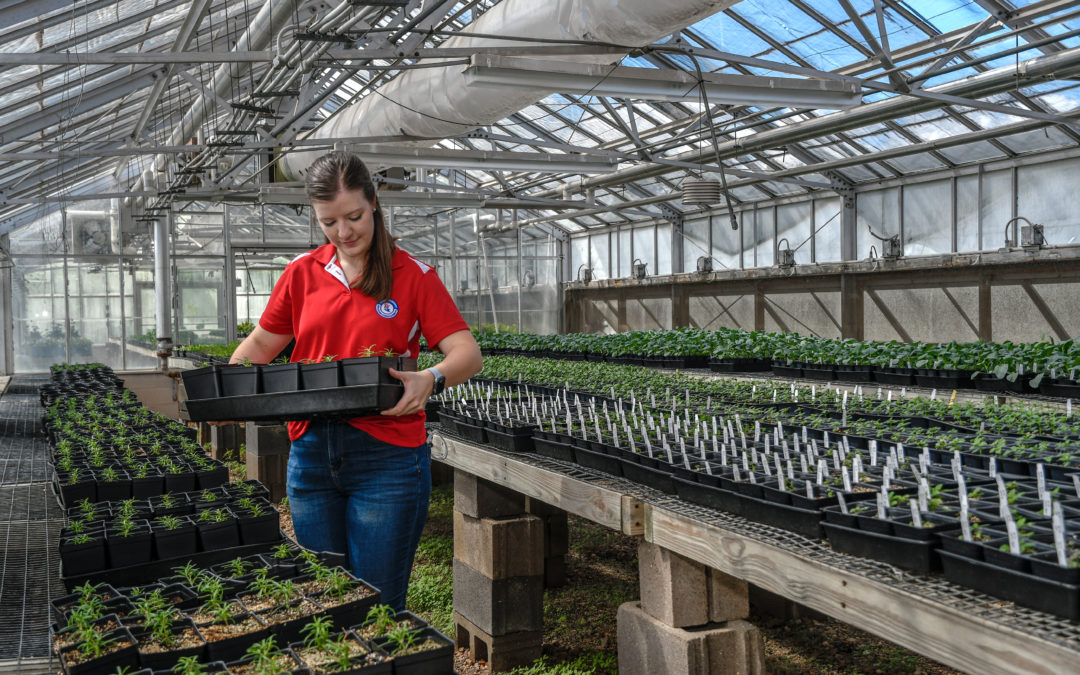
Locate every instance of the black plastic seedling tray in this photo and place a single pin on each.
(911, 554)
(1026, 590)
(312, 404)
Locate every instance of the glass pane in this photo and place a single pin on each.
(967, 213)
(1042, 190)
(200, 308)
(928, 218)
(663, 249)
(827, 218)
(598, 254)
(996, 208)
(579, 256)
(878, 210)
(793, 222)
(38, 315)
(624, 253)
(645, 246)
(726, 241)
(695, 242)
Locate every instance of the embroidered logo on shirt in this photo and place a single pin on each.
(387, 309)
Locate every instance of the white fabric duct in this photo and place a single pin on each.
(436, 102)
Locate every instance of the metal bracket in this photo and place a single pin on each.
(670, 214)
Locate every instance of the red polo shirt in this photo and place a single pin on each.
(312, 300)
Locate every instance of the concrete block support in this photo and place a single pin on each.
(500, 547)
(498, 606)
(647, 645)
(479, 498)
(226, 440)
(556, 540)
(502, 652)
(268, 456)
(682, 593)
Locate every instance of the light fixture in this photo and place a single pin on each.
(584, 273)
(704, 264)
(785, 257)
(656, 84)
(528, 280)
(639, 270)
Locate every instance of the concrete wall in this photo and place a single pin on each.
(156, 391)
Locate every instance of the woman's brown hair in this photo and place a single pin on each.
(338, 171)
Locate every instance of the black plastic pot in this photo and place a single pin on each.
(180, 542)
(437, 661)
(113, 490)
(657, 479)
(1060, 387)
(373, 369)
(83, 558)
(152, 485)
(208, 479)
(201, 383)
(322, 375)
(124, 657)
(73, 493)
(214, 536)
(134, 549)
(239, 380)
(352, 612)
(377, 664)
(280, 378)
(231, 648)
(162, 660)
(259, 529)
(180, 482)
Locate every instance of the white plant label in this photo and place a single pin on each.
(882, 503)
(735, 473)
(847, 478)
(916, 517)
(1003, 499)
(993, 469)
(961, 491)
(965, 522)
(1040, 478)
(1076, 483)
(809, 490)
(821, 472)
(856, 468)
(790, 471)
(873, 453)
(1058, 524)
(841, 501)
(924, 495)
(1014, 536)
(1047, 504)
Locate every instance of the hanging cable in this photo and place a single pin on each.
(715, 143)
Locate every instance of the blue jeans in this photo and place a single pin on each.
(352, 493)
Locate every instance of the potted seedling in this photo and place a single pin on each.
(344, 597)
(323, 651)
(239, 379)
(174, 537)
(280, 377)
(209, 473)
(227, 627)
(257, 520)
(99, 653)
(217, 529)
(190, 665)
(82, 553)
(201, 383)
(265, 658)
(418, 650)
(129, 542)
(146, 480)
(324, 373)
(170, 504)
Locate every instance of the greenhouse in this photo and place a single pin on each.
(546, 338)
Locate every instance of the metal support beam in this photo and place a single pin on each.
(7, 323)
(162, 291)
(660, 85)
(17, 11)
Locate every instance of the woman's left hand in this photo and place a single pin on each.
(418, 386)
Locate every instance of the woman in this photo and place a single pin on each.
(361, 486)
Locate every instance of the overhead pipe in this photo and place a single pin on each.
(437, 102)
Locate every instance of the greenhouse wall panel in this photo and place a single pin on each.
(924, 314)
(723, 311)
(814, 313)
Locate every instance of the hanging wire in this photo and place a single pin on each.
(715, 143)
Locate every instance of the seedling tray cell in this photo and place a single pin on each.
(910, 554)
(336, 402)
(806, 522)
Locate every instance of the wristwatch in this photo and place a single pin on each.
(440, 381)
